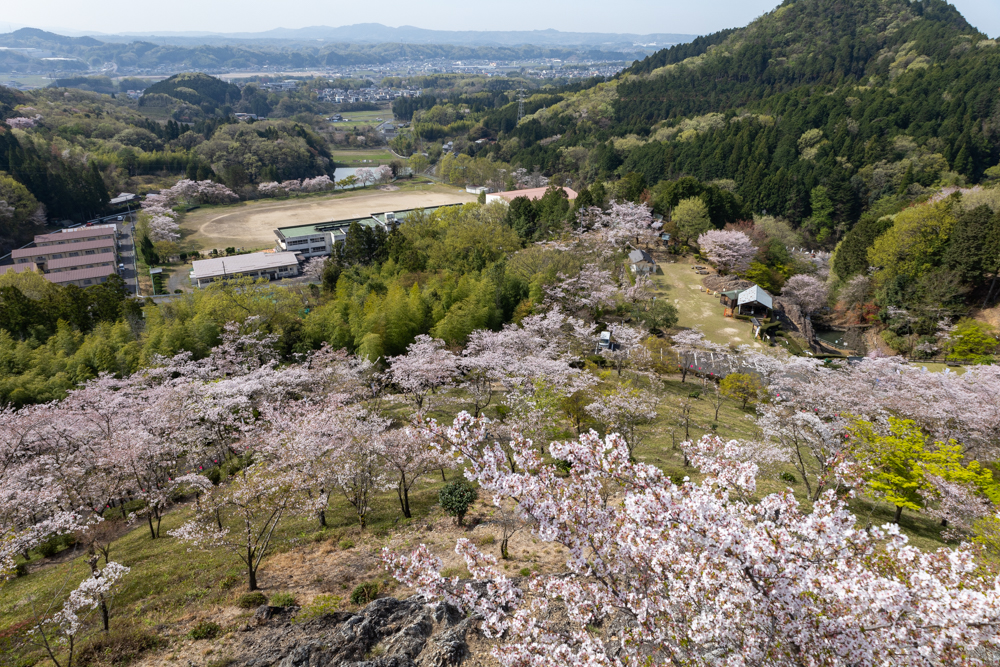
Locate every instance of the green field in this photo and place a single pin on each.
(363, 157)
(356, 119)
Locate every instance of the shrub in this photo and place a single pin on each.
(364, 593)
(230, 581)
(251, 600)
(283, 600)
(205, 630)
(21, 570)
(486, 540)
(346, 544)
(525, 572)
(788, 477)
(320, 606)
(457, 497)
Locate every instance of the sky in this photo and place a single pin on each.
(631, 16)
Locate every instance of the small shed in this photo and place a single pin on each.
(754, 301)
(641, 262)
(728, 298)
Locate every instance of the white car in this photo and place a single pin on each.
(121, 267)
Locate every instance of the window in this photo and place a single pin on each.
(74, 254)
(57, 256)
(89, 252)
(87, 281)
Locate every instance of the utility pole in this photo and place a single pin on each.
(520, 104)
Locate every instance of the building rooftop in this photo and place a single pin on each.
(108, 244)
(18, 268)
(70, 235)
(80, 274)
(755, 294)
(531, 193)
(640, 256)
(255, 261)
(341, 225)
(65, 262)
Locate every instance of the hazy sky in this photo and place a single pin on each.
(635, 16)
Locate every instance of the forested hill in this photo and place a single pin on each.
(865, 98)
(802, 42)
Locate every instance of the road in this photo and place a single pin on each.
(127, 256)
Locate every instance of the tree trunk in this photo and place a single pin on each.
(149, 520)
(503, 549)
(322, 518)
(899, 513)
(104, 613)
(252, 578)
(443, 478)
(406, 503)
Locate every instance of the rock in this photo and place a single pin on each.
(386, 633)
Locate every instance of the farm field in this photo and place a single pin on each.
(358, 119)
(252, 224)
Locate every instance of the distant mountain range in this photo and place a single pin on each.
(376, 33)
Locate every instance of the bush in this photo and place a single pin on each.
(251, 600)
(205, 630)
(486, 540)
(321, 605)
(788, 477)
(346, 544)
(283, 600)
(457, 497)
(230, 581)
(364, 593)
(21, 570)
(525, 572)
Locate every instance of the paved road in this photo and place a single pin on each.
(126, 254)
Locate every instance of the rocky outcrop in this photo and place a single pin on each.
(386, 633)
(794, 319)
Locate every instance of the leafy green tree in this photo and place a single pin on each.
(741, 387)
(972, 339)
(898, 464)
(691, 217)
(457, 497)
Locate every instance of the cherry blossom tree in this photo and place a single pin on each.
(815, 447)
(592, 288)
(426, 367)
(623, 409)
(383, 173)
(408, 455)
(701, 574)
(313, 269)
(625, 223)
(626, 346)
(317, 184)
(808, 292)
(271, 189)
(364, 176)
(59, 633)
(240, 516)
(730, 251)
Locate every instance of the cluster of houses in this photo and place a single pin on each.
(83, 256)
(340, 96)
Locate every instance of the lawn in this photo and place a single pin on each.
(678, 282)
(362, 157)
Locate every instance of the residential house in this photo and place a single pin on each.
(642, 262)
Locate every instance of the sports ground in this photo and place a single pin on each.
(251, 224)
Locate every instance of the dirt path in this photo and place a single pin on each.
(252, 224)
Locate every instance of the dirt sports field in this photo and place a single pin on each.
(252, 224)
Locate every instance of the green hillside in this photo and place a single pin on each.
(195, 88)
(863, 97)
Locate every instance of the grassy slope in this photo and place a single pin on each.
(171, 587)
